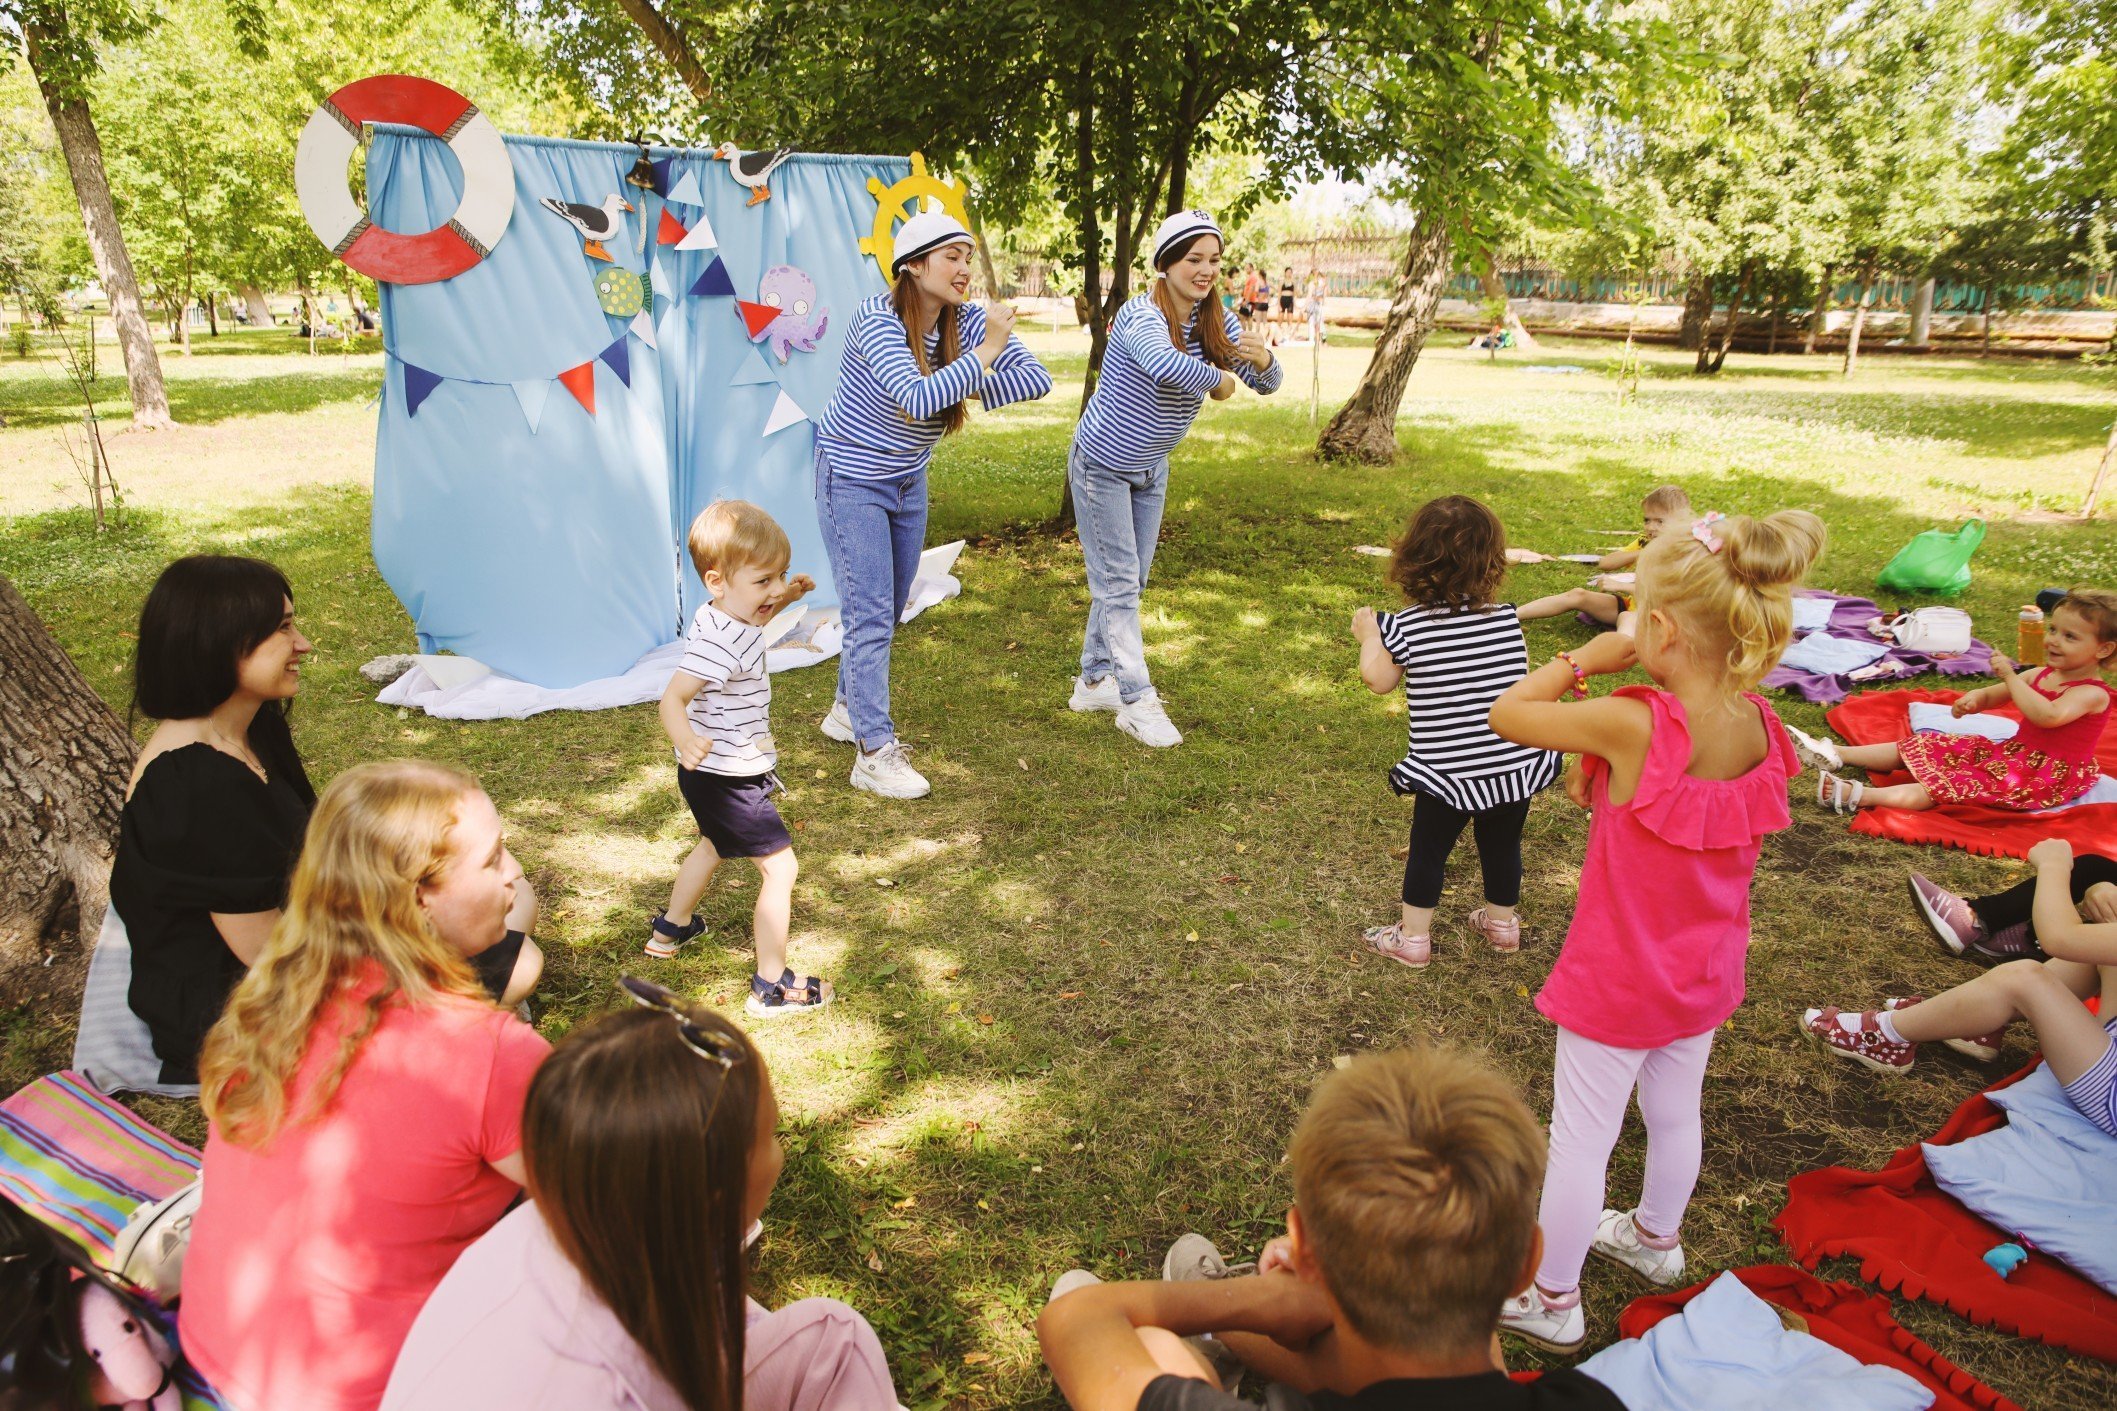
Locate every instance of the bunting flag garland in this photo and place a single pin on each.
(700, 236)
(715, 281)
(620, 361)
(752, 372)
(785, 412)
(418, 386)
(670, 230)
(661, 167)
(756, 317)
(531, 392)
(686, 192)
(581, 382)
(642, 328)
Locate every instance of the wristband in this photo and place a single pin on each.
(1579, 689)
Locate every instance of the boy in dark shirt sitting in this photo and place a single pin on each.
(1416, 1176)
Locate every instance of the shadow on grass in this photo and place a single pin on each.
(39, 402)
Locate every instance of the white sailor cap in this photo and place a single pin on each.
(925, 233)
(1181, 227)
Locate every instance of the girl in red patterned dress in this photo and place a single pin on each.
(2049, 762)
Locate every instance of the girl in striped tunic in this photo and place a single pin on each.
(1169, 349)
(912, 356)
(1455, 650)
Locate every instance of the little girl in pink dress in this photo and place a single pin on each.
(2049, 761)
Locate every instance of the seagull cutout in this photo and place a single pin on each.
(596, 223)
(752, 169)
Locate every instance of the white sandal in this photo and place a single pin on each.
(1839, 795)
(1821, 753)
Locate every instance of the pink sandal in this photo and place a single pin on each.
(1502, 934)
(1390, 940)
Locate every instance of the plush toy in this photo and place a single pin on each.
(133, 1360)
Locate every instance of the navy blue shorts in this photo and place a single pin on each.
(735, 812)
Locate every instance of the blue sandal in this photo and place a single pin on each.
(790, 994)
(667, 937)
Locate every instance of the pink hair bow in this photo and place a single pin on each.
(1702, 530)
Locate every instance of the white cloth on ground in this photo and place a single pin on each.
(112, 1045)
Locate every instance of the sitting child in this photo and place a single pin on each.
(2002, 926)
(1972, 1018)
(1664, 509)
(718, 714)
(2049, 761)
(1415, 1181)
(1454, 650)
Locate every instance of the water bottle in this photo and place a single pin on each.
(2028, 638)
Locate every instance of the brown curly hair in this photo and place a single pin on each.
(1452, 555)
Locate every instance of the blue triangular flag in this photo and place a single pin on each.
(620, 361)
(686, 192)
(418, 385)
(752, 371)
(661, 172)
(715, 280)
(531, 392)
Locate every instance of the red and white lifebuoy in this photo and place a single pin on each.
(332, 136)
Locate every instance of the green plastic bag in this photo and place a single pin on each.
(1935, 561)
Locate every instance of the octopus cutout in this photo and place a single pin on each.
(800, 323)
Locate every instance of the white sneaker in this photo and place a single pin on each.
(838, 725)
(1617, 1239)
(1554, 1330)
(888, 772)
(1145, 721)
(1101, 696)
(1069, 1281)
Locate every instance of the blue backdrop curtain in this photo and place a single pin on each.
(556, 554)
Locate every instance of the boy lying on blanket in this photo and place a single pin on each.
(1416, 1176)
(1972, 1018)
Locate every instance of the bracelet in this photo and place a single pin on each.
(1579, 689)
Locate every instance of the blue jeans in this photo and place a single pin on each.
(1119, 513)
(873, 531)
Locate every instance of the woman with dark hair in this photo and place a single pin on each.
(218, 801)
(1169, 349)
(650, 1139)
(913, 356)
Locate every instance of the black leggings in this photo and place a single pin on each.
(1434, 828)
(2012, 907)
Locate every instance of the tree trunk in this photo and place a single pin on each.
(985, 265)
(1859, 318)
(64, 760)
(76, 129)
(1985, 348)
(1821, 312)
(213, 314)
(1734, 319)
(1922, 314)
(1697, 313)
(1091, 237)
(1771, 344)
(1496, 290)
(2109, 454)
(260, 308)
(669, 41)
(1365, 428)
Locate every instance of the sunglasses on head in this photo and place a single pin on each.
(709, 1044)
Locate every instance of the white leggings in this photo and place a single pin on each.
(1590, 1091)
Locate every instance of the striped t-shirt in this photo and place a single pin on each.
(1149, 393)
(885, 418)
(1456, 664)
(733, 708)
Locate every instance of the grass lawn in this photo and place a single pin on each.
(1085, 988)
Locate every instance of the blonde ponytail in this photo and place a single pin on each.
(1730, 582)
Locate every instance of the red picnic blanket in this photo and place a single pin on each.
(1847, 1317)
(1914, 1238)
(1882, 717)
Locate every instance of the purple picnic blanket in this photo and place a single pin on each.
(1849, 619)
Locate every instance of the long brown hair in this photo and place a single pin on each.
(1452, 555)
(1212, 328)
(638, 1152)
(379, 832)
(905, 298)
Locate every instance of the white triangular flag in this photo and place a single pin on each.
(685, 192)
(658, 277)
(643, 328)
(701, 236)
(785, 412)
(531, 392)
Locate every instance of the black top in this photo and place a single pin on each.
(1563, 1390)
(202, 833)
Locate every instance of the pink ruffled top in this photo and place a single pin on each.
(1661, 930)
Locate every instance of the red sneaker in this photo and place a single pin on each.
(1865, 1044)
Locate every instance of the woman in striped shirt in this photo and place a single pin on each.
(912, 356)
(1169, 349)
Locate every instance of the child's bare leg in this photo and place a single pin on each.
(1605, 608)
(1572, 600)
(1871, 756)
(1176, 1357)
(1627, 621)
(1907, 796)
(1417, 920)
(1313, 1368)
(690, 884)
(775, 909)
(2047, 993)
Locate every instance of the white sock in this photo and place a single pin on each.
(1886, 1022)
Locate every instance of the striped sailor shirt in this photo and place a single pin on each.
(1456, 664)
(1149, 393)
(885, 418)
(733, 708)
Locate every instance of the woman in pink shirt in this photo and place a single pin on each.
(652, 1143)
(1686, 777)
(364, 1097)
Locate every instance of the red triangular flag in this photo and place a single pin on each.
(756, 317)
(581, 382)
(671, 230)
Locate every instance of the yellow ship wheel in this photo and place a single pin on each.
(897, 202)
